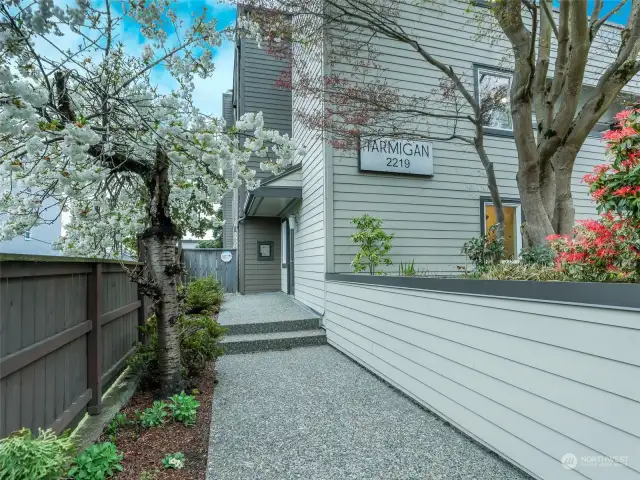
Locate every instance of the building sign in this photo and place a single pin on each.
(396, 156)
(226, 257)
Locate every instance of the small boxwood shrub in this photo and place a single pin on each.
(199, 338)
(45, 457)
(204, 295)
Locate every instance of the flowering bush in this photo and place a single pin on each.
(605, 250)
(608, 249)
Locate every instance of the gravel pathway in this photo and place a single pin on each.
(313, 414)
(261, 308)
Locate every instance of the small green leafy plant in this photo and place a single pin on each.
(99, 461)
(118, 422)
(484, 250)
(183, 408)
(173, 460)
(154, 415)
(45, 457)
(374, 244)
(407, 269)
(149, 475)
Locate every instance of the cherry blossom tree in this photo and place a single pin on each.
(85, 130)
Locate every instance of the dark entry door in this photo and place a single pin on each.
(292, 263)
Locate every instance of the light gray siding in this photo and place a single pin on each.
(534, 381)
(260, 275)
(310, 233)
(432, 217)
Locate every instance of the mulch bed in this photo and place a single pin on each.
(144, 448)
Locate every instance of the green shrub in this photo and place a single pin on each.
(173, 460)
(204, 295)
(520, 271)
(374, 244)
(184, 408)
(98, 462)
(199, 337)
(46, 457)
(154, 415)
(209, 244)
(484, 250)
(539, 255)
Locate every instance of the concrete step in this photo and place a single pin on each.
(261, 342)
(272, 327)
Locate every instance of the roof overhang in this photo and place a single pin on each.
(277, 196)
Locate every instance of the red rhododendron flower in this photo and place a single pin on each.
(615, 136)
(599, 193)
(623, 191)
(590, 178)
(602, 168)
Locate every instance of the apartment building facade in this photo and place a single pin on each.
(296, 227)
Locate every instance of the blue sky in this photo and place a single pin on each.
(208, 92)
(620, 17)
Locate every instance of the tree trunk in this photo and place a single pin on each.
(160, 240)
(564, 212)
(161, 264)
(548, 188)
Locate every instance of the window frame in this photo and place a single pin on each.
(284, 239)
(498, 72)
(506, 202)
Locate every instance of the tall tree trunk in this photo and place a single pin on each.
(160, 240)
(564, 212)
(548, 188)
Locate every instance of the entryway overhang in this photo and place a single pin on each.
(277, 196)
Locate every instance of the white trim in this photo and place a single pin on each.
(494, 73)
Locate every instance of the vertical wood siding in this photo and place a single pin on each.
(531, 380)
(43, 339)
(206, 262)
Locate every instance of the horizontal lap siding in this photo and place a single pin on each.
(533, 381)
(433, 217)
(309, 242)
(261, 275)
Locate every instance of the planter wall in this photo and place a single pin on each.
(534, 379)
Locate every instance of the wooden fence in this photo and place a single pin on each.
(67, 327)
(207, 262)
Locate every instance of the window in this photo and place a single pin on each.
(512, 224)
(493, 95)
(27, 235)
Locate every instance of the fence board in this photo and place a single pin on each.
(206, 262)
(45, 324)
